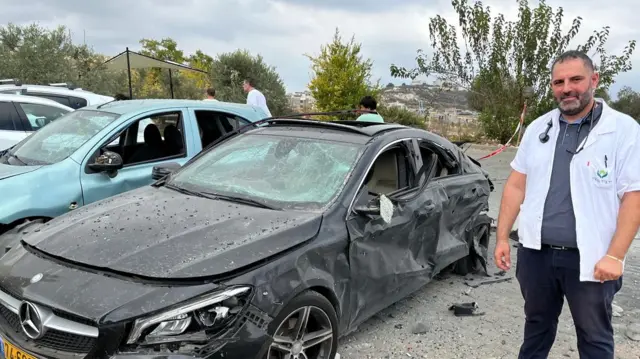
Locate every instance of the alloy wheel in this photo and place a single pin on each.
(306, 333)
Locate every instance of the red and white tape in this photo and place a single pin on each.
(516, 132)
(503, 147)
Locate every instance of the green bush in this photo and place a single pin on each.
(403, 116)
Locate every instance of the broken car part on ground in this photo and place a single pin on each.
(275, 240)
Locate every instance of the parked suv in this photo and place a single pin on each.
(63, 93)
(22, 115)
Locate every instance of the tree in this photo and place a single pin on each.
(501, 59)
(341, 76)
(628, 102)
(228, 71)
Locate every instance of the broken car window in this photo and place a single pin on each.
(285, 171)
(59, 139)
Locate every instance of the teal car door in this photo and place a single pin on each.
(146, 141)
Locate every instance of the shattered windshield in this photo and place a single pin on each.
(284, 171)
(60, 138)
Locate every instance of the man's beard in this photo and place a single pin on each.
(575, 106)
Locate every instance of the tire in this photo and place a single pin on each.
(472, 262)
(321, 315)
(13, 236)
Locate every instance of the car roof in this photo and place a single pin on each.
(77, 92)
(128, 106)
(32, 99)
(353, 131)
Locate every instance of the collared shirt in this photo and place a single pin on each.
(607, 167)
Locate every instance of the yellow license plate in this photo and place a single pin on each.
(13, 352)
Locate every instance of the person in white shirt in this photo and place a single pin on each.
(575, 184)
(255, 97)
(210, 94)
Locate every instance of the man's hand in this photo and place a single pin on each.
(607, 268)
(502, 254)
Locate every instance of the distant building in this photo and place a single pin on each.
(301, 101)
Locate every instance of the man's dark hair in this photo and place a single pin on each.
(120, 97)
(211, 92)
(250, 81)
(572, 55)
(369, 102)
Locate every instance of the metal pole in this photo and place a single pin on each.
(129, 73)
(171, 83)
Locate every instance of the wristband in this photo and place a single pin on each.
(616, 258)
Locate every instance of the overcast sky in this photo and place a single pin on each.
(283, 30)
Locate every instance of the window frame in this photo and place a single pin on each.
(400, 192)
(242, 121)
(16, 119)
(456, 170)
(25, 119)
(131, 137)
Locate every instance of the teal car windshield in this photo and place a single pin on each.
(62, 137)
(281, 171)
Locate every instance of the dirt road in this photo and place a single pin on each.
(496, 334)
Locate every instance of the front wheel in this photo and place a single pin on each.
(306, 328)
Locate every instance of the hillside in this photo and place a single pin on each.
(409, 96)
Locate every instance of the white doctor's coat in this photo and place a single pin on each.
(607, 168)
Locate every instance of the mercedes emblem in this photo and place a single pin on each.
(31, 320)
(36, 278)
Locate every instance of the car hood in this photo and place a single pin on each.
(158, 233)
(7, 171)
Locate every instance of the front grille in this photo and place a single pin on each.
(53, 339)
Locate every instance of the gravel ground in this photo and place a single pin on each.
(497, 333)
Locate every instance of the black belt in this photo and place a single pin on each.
(560, 248)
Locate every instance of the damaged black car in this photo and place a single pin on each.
(270, 244)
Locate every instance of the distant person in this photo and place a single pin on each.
(255, 97)
(368, 103)
(210, 94)
(120, 97)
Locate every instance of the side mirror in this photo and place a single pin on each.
(384, 210)
(363, 209)
(109, 162)
(41, 121)
(164, 170)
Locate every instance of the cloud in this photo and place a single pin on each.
(282, 31)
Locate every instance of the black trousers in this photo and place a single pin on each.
(546, 277)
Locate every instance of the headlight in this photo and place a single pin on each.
(209, 312)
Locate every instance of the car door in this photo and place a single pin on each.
(392, 257)
(11, 128)
(146, 141)
(210, 125)
(464, 202)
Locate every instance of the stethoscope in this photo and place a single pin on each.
(544, 137)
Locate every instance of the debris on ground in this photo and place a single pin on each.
(465, 309)
(633, 332)
(616, 310)
(419, 328)
(488, 281)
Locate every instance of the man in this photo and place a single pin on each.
(576, 190)
(368, 103)
(255, 97)
(211, 94)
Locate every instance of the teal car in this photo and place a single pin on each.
(103, 150)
